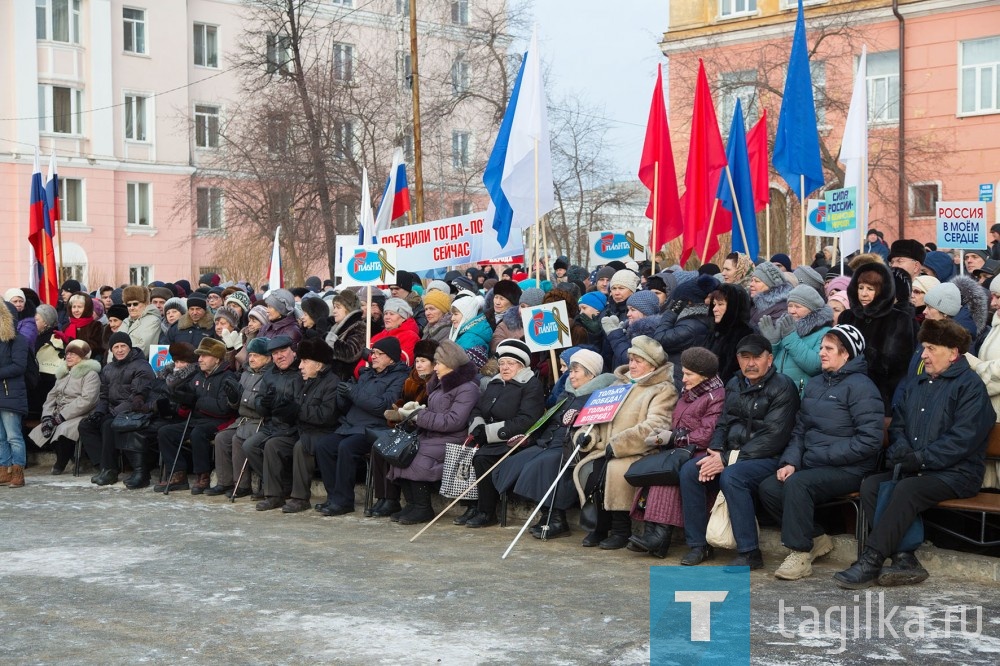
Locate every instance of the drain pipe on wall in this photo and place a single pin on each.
(901, 194)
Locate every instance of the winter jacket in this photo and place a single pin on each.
(72, 398)
(408, 336)
(946, 420)
(889, 337)
(210, 400)
(318, 403)
(723, 337)
(473, 333)
(145, 330)
(612, 309)
(186, 330)
(839, 423)
(697, 415)
(286, 386)
(678, 332)
(647, 408)
(508, 328)
(370, 395)
(125, 384)
(450, 400)
(284, 326)
(247, 419)
(26, 325)
(621, 339)
(879, 248)
(508, 408)
(757, 420)
(347, 339)
(13, 363)
(797, 354)
(772, 302)
(975, 312)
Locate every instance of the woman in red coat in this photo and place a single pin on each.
(398, 317)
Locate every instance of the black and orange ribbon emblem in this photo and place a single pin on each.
(383, 257)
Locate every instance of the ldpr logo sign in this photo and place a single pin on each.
(699, 615)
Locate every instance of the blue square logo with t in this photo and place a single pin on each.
(699, 615)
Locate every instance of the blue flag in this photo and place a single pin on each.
(493, 174)
(796, 143)
(739, 169)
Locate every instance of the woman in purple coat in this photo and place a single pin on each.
(695, 414)
(451, 394)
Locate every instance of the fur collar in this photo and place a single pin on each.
(7, 325)
(512, 319)
(461, 375)
(185, 322)
(661, 374)
(771, 297)
(975, 299)
(815, 320)
(596, 384)
(79, 370)
(352, 318)
(645, 326)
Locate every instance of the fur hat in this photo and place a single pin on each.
(133, 293)
(258, 346)
(649, 349)
(945, 333)
(389, 345)
(769, 274)
(240, 299)
(315, 349)
(561, 262)
(316, 308)
(171, 304)
(701, 361)
(625, 278)
(945, 298)
(591, 361)
(404, 280)
(314, 283)
(79, 347)
(399, 306)
(531, 297)
(211, 347)
(577, 274)
(281, 300)
(509, 290)
(596, 299)
(120, 336)
(348, 298)
(849, 336)
(230, 317)
(806, 296)
(908, 248)
(51, 317)
(438, 299)
(516, 350)
(182, 351)
(450, 354)
(425, 349)
(645, 302)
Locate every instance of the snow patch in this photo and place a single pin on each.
(73, 562)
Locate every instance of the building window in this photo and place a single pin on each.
(408, 147)
(402, 8)
(404, 70)
(277, 134)
(71, 200)
(343, 62)
(343, 139)
(460, 208)
(206, 126)
(344, 216)
(73, 272)
(459, 76)
(58, 20)
(980, 75)
(206, 45)
(209, 205)
(740, 85)
(460, 12)
(60, 110)
(793, 4)
(343, 3)
(138, 205)
(733, 8)
(882, 76)
(459, 149)
(140, 274)
(135, 117)
(817, 69)
(923, 199)
(135, 30)
(280, 58)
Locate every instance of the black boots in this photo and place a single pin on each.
(422, 511)
(384, 508)
(655, 539)
(106, 477)
(470, 511)
(557, 526)
(406, 487)
(64, 449)
(905, 570)
(697, 555)
(621, 530)
(862, 573)
(139, 478)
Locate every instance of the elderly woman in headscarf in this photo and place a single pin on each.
(26, 324)
(737, 269)
(612, 447)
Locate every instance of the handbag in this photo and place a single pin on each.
(398, 446)
(913, 538)
(130, 421)
(592, 504)
(658, 469)
(459, 473)
(719, 532)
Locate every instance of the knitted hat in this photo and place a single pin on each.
(605, 272)
(211, 279)
(49, 314)
(468, 306)
(399, 306)
(591, 361)
(577, 274)
(516, 350)
(709, 269)
(697, 290)
(229, 316)
(439, 300)
(211, 347)
(240, 299)
(281, 300)
(982, 254)
(509, 290)
(784, 260)
(160, 292)
(531, 297)
(450, 354)
(945, 333)
(120, 312)
(404, 280)
(945, 298)
(314, 283)
(13, 292)
(941, 264)
(315, 307)
(258, 312)
(925, 283)
(171, 304)
(389, 345)
(71, 286)
(596, 299)
(182, 351)
(315, 349)
(754, 343)
(700, 361)
(79, 347)
(425, 349)
(349, 299)
(461, 282)
(769, 274)
(120, 336)
(852, 339)
(645, 302)
(839, 283)
(908, 248)
(649, 349)
(840, 297)
(809, 276)
(258, 346)
(279, 342)
(196, 300)
(439, 285)
(624, 278)
(133, 293)
(806, 296)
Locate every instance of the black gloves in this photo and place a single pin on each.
(231, 387)
(479, 434)
(908, 460)
(584, 440)
(344, 389)
(185, 398)
(678, 306)
(138, 404)
(164, 408)
(267, 401)
(287, 411)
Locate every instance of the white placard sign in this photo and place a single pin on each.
(369, 265)
(546, 326)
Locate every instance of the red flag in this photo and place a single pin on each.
(759, 177)
(706, 162)
(661, 181)
(40, 239)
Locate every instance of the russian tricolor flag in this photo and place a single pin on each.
(40, 232)
(396, 196)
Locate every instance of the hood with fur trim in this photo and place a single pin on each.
(975, 298)
(207, 322)
(771, 297)
(7, 329)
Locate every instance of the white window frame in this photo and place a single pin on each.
(210, 208)
(344, 214)
(134, 192)
(73, 271)
(136, 114)
(403, 8)
(817, 74)
(206, 137)
(46, 110)
(461, 149)
(343, 3)
(794, 4)
(137, 28)
(141, 274)
(343, 62)
(460, 12)
(991, 69)
(459, 76)
(740, 84)
(78, 201)
(737, 8)
(913, 215)
(45, 20)
(883, 115)
(209, 47)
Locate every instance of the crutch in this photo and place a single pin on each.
(180, 445)
(548, 492)
(232, 500)
(568, 419)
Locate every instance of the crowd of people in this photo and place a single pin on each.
(781, 383)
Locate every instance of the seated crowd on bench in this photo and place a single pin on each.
(780, 383)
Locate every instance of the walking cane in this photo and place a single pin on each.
(568, 419)
(546, 496)
(232, 500)
(180, 445)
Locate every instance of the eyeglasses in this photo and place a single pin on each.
(133, 304)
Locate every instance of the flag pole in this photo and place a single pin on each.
(739, 216)
(711, 223)
(656, 212)
(59, 236)
(368, 322)
(802, 214)
(767, 227)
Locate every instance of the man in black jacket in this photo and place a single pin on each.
(755, 425)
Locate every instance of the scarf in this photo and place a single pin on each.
(707, 386)
(70, 333)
